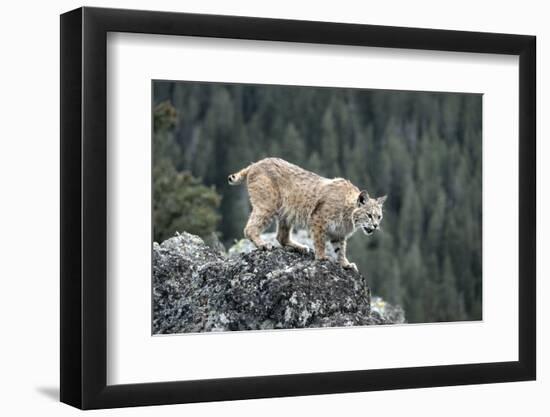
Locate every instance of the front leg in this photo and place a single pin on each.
(340, 247)
(319, 238)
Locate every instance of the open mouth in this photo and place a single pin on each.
(367, 230)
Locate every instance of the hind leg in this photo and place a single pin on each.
(283, 236)
(264, 200)
(257, 223)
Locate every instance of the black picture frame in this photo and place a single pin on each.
(84, 207)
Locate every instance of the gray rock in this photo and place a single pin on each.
(197, 289)
(383, 312)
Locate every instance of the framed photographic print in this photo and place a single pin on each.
(257, 207)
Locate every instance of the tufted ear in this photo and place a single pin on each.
(381, 200)
(363, 198)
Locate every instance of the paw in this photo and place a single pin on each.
(350, 265)
(301, 249)
(265, 246)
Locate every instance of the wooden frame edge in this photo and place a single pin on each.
(83, 208)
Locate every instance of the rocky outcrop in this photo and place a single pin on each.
(198, 289)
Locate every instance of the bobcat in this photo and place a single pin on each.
(332, 209)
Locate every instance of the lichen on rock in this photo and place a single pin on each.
(197, 289)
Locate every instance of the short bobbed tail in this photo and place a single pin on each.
(238, 177)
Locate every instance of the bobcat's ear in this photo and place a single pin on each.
(381, 200)
(363, 198)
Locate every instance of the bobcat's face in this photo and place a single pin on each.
(368, 213)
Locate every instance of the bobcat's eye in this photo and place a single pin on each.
(370, 215)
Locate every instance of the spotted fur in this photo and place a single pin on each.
(332, 209)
